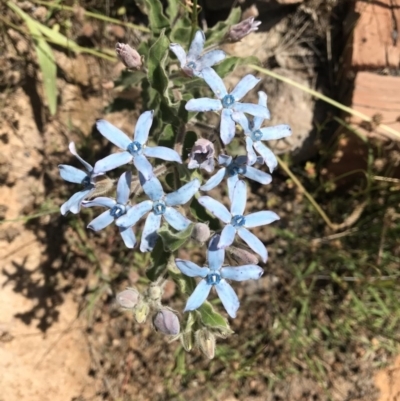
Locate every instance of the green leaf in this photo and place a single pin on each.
(129, 79)
(181, 31)
(230, 63)
(167, 137)
(211, 318)
(218, 31)
(159, 258)
(174, 241)
(157, 19)
(173, 10)
(200, 213)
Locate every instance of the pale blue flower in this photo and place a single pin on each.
(232, 168)
(159, 205)
(216, 275)
(227, 102)
(193, 63)
(117, 208)
(135, 150)
(255, 134)
(236, 222)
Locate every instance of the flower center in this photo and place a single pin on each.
(238, 221)
(213, 278)
(234, 169)
(86, 182)
(256, 135)
(117, 210)
(228, 101)
(134, 148)
(159, 208)
(191, 65)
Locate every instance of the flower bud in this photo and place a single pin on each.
(206, 342)
(202, 155)
(241, 256)
(154, 292)
(187, 340)
(128, 298)
(201, 232)
(130, 57)
(167, 322)
(141, 311)
(239, 31)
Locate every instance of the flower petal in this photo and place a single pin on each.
(124, 188)
(142, 128)
(179, 53)
(276, 132)
(112, 161)
(215, 255)
(113, 134)
(149, 234)
(227, 236)
(224, 160)
(183, 194)
(214, 180)
(152, 188)
(73, 204)
(257, 175)
(100, 201)
(72, 149)
(251, 155)
(242, 273)
(216, 208)
(71, 174)
(162, 152)
(227, 127)
(190, 269)
(262, 101)
(242, 120)
(267, 154)
(254, 243)
(199, 295)
(262, 218)
(134, 214)
(101, 221)
(215, 82)
(203, 104)
(228, 297)
(212, 57)
(239, 198)
(143, 166)
(176, 219)
(128, 236)
(196, 47)
(253, 109)
(246, 84)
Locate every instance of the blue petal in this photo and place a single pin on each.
(246, 84)
(242, 120)
(175, 219)
(253, 109)
(179, 53)
(227, 236)
(72, 149)
(251, 155)
(276, 132)
(134, 214)
(196, 47)
(239, 198)
(257, 175)
(211, 58)
(262, 101)
(111, 162)
(149, 234)
(242, 273)
(113, 134)
(73, 204)
(100, 201)
(124, 188)
(266, 153)
(216, 208)
(228, 297)
(71, 174)
(224, 160)
(232, 181)
(164, 153)
(190, 269)
(254, 243)
(214, 180)
(215, 82)
(142, 128)
(183, 194)
(101, 221)
(227, 128)
(198, 296)
(203, 104)
(260, 218)
(143, 166)
(215, 255)
(153, 188)
(128, 236)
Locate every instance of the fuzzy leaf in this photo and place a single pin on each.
(219, 30)
(173, 241)
(157, 19)
(211, 318)
(201, 215)
(181, 31)
(159, 258)
(230, 63)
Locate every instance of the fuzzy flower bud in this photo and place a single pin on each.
(128, 298)
(201, 232)
(167, 322)
(187, 340)
(202, 155)
(141, 311)
(239, 31)
(130, 57)
(206, 342)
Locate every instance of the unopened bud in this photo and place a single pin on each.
(241, 256)
(102, 185)
(206, 342)
(242, 29)
(128, 298)
(201, 232)
(155, 292)
(130, 57)
(187, 340)
(202, 155)
(141, 311)
(167, 322)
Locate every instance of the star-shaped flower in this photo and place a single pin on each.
(117, 208)
(236, 222)
(159, 205)
(227, 102)
(216, 275)
(135, 150)
(232, 168)
(193, 63)
(72, 174)
(255, 134)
